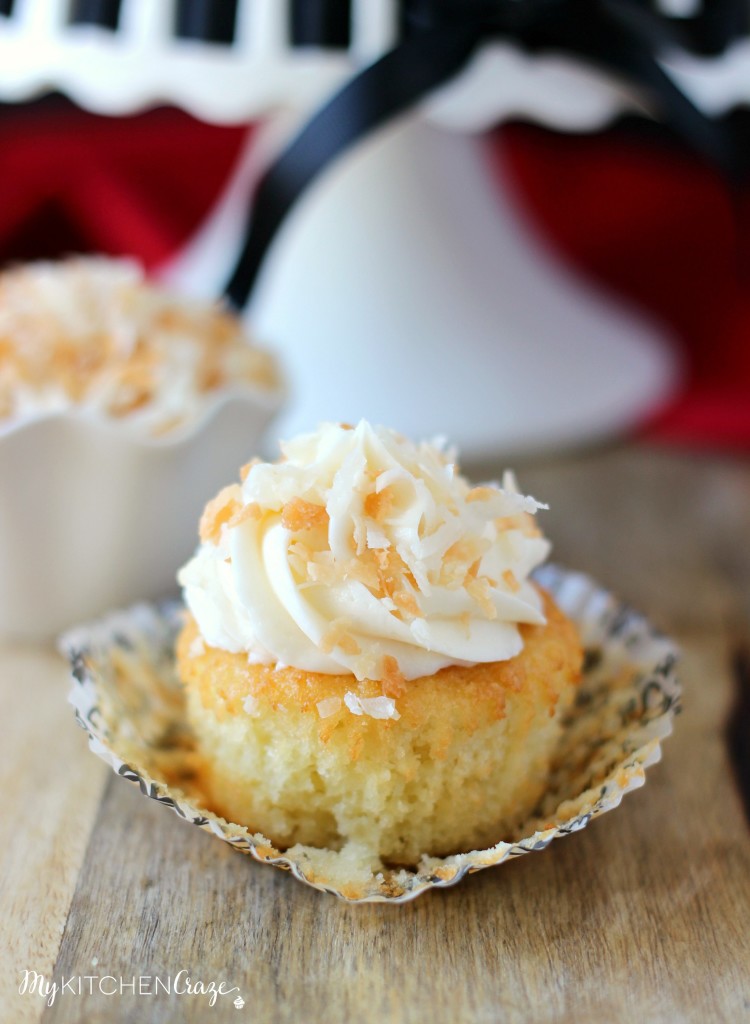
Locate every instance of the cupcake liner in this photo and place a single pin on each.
(127, 696)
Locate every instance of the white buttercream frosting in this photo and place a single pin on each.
(361, 552)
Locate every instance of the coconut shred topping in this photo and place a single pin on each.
(92, 334)
(361, 552)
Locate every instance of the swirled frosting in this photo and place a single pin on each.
(361, 552)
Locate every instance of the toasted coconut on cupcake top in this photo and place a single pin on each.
(361, 552)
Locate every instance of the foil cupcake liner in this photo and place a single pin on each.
(127, 696)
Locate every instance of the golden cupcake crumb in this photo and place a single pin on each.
(463, 765)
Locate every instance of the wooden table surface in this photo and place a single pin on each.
(643, 916)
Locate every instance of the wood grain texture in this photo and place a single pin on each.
(643, 916)
(51, 790)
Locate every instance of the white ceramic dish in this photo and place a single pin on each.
(93, 515)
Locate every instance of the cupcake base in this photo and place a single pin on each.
(463, 761)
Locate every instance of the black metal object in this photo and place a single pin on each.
(714, 26)
(738, 726)
(622, 37)
(210, 21)
(104, 13)
(324, 23)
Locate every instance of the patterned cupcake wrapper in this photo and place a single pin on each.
(128, 698)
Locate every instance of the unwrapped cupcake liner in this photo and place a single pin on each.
(128, 698)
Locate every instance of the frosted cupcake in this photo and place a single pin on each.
(369, 668)
(121, 407)
(91, 334)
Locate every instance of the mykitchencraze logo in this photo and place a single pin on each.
(141, 985)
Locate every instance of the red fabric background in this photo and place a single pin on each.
(74, 181)
(654, 225)
(664, 230)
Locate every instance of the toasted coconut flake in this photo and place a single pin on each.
(511, 581)
(479, 589)
(379, 504)
(245, 470)
(391, 571)
(250, 705)
(481, 494)
(339, 635)
(376, 537)
(197, 647)
(374, 707)
(382, 558)
(328, 706)
(525, 502)
(326, 575)
(452, 576)
(299, 514)
(296, 547)
(394, 683)
(348, 644)
(529, 527)
(219, 511)
(299, 557)
(167, 426)
(473, 570)
(210, 374)
(523, 522)
(406, 602)
(363, 571)
(467, 550)
(250, 511)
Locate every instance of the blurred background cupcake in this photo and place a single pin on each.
(120, 407)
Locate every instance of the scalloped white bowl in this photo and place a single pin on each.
(93, 516)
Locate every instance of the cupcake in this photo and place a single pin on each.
(121, 407)
(369, 668)
(91, 335)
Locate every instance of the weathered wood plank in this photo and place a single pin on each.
(641, 917)
(51, 788)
